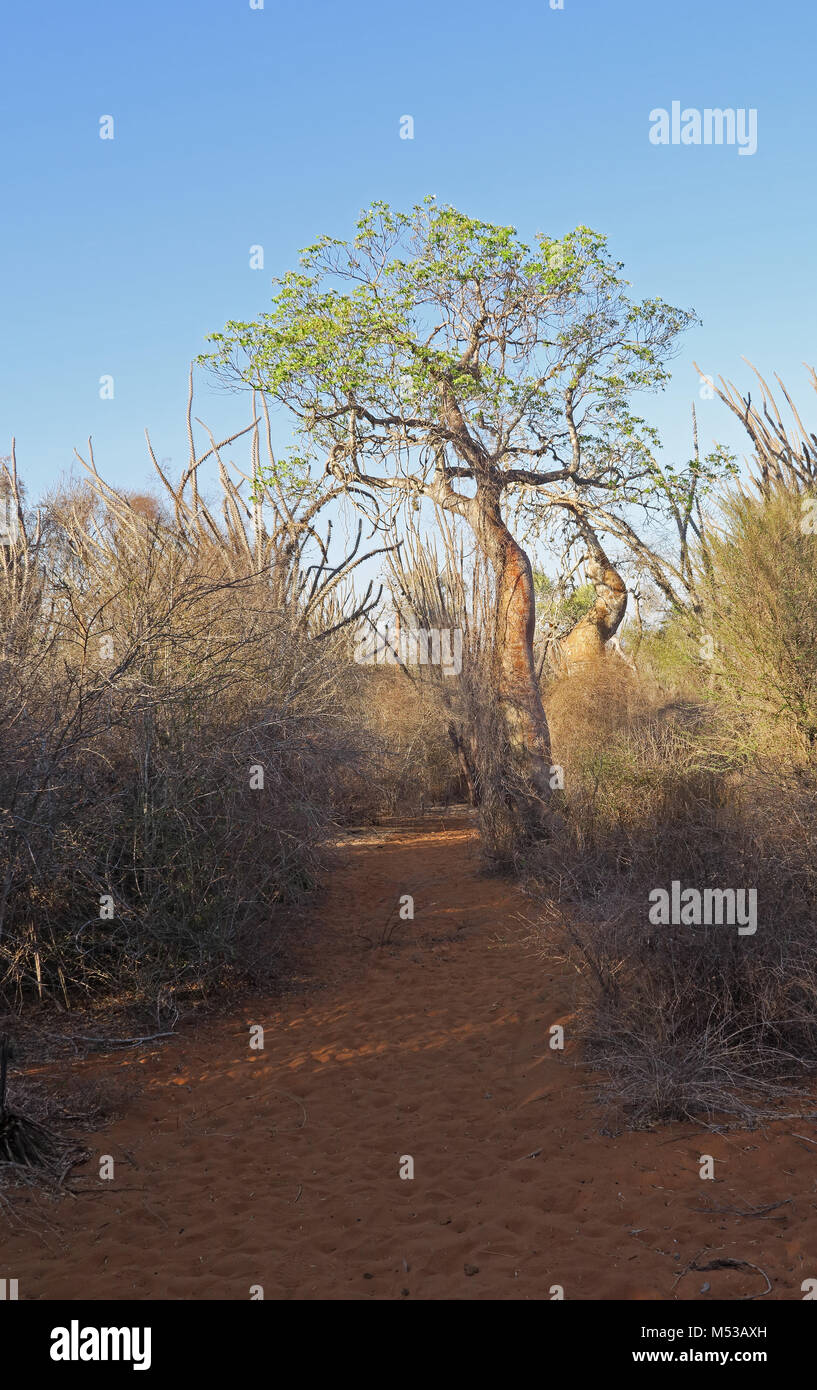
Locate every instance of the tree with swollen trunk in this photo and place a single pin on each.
(436, 356)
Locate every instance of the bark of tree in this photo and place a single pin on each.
(588, 639)
(516, 683)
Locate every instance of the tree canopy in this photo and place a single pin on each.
(433, 350)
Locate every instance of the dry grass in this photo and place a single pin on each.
(685, 1021)
(701, 770)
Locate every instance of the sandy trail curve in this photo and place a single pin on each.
(281, 1168)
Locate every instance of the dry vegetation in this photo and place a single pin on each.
(700, 769)
(183, 727)
(685, 1020)
(158, 654)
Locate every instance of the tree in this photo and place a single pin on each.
(587, 640)
(437, 356)
(671, 499)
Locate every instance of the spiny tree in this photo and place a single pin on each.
(437, 356)
(757, 570)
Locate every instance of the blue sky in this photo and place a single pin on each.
(237, 127)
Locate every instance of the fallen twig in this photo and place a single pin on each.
(726, 1262)
(740, 1211)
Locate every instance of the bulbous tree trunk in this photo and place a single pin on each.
(587, 641)
(515, 679)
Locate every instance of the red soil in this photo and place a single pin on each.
(280, 1168)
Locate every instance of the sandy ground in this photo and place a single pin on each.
(236, 1168)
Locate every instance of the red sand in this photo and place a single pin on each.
(237, 1168)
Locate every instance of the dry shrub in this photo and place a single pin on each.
(703, 774)
(599, 699)
(760, 611)
(152, 657)
(405, 724)
(684, 1020)
(446, 585)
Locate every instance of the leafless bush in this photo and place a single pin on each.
(445, 586)
(684, 1020)
(712, 787)
(172, 689)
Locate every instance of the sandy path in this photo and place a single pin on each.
(281, 1168)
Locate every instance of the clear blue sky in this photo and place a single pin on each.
(236, 127)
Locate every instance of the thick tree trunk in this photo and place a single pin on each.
(516, 684)
(588, 639)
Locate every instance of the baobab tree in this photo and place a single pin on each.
(436, 356)
(588, 639)
(674, 497)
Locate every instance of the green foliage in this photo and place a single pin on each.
(561, 611)
(671, 655)
(540, 348)
(574, 607)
